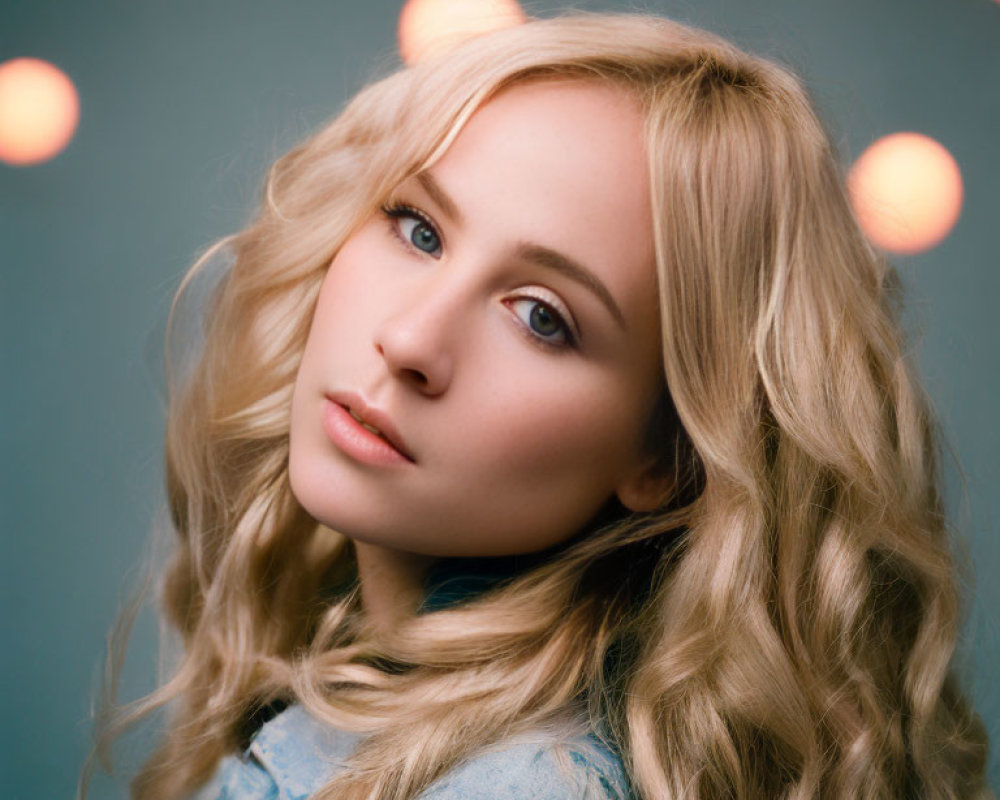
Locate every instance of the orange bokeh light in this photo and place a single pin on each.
(39, 111)
(906, 190)
(429, 27)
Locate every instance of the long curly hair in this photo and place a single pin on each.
(782, 627)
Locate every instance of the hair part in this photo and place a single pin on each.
(783, 626)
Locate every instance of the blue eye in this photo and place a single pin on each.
(414, 229)
(545, 323)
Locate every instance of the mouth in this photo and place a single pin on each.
(365, 425)
(372, 420)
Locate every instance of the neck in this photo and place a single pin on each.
(392, 584)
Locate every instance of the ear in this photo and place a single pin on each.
(647, 487)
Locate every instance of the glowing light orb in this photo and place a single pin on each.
(906, 190)
(429, 27)
(39, 110)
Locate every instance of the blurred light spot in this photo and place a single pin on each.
(906, 190)
(429, 27)
(39, 110)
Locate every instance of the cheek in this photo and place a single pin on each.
(532, 475)
(343, 320)
(581, 428)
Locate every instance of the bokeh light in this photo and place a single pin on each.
(429, 27)
(39, 111)
(906, 190)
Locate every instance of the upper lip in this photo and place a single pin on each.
(372, 416)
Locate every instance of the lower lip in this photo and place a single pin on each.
(351, 437)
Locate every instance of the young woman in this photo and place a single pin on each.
(552, 436)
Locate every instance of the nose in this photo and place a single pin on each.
(414, 342)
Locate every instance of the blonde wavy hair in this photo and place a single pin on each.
(782, 627)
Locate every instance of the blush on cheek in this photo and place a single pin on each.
(552, 439)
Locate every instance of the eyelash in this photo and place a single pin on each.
(397, 211)
(394, 211)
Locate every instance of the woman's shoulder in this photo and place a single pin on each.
(288, 758)
(294, 754)
(549, 764)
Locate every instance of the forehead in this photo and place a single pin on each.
(561, 163)
(568, 135)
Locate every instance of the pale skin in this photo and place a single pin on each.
(500, 313)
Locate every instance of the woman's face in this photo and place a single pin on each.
(500, 315)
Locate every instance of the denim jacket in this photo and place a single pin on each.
(294, 754)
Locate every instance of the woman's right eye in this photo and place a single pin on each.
(414, 229)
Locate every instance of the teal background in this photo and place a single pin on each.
(184, 105)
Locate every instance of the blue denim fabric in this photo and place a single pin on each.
(295, 754)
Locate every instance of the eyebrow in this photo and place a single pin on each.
(439, 196)
(535, 253)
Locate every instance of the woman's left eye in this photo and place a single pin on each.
(545, 323)
(414, 229)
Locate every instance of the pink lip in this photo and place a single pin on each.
(356, 440)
